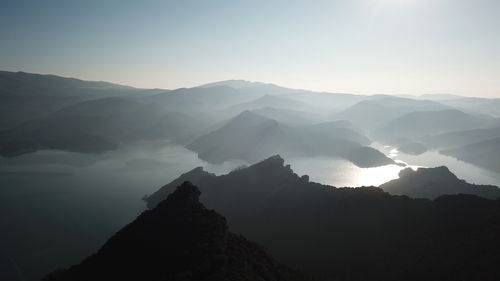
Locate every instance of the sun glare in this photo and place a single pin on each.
(398, 2)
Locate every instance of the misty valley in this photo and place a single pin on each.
(239, 180)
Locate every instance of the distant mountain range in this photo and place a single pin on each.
(26, 96)
(484, 154)
(419, 124)
(49, 112)
(98, 125)
(251, 137)
(374, 112)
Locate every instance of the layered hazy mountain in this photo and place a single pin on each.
(41, 112)
(481, 105)
(334, 232)
(411, 131)
(460, 138)
(25, 96)
(180, 239)
(421, 123)
(99, 125)
(252, 137)
(375, 111)
(484, 153)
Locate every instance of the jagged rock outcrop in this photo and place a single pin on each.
(180, 239)
(434, 182)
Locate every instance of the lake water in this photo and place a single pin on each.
(340, 173)
(58, 207)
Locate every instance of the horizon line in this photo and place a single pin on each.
(402, 95)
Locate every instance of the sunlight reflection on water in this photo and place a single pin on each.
(341, 173)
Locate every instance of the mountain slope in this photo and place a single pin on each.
(420, 123)
(484, 154)
(479, 105)
(434, 182)
(237, 84)
(26, 96)
(200, 99)
(97, 126)
(276, 101)
(461, 138)
(373, 113)
(356, 233)
(178, 240)
(288, 116)
(251, 137)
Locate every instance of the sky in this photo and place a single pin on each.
(347, 46)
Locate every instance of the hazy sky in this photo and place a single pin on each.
(358, 46)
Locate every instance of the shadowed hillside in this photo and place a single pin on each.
(178, 240)
(354, 233)
(434, 182)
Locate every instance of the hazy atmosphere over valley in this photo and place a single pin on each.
(250, 140)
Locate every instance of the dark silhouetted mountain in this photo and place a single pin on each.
(178, 240)
(461, 138)
(373, 113)
(418, 124)
(485, 154)
(434, 182)
(98, 125)
(26, 96)
(251, 137)
(355, 233)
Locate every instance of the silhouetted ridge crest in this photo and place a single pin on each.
(434, 182)
(436, 172)
(362, 234)
(180, 239)
(185, 194)
(194, 176)
(273, 162)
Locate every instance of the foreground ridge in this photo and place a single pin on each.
(180, 239)
(363, 233)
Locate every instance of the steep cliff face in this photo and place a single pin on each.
(180, 239)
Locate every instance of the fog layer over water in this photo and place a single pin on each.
(74, 202)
